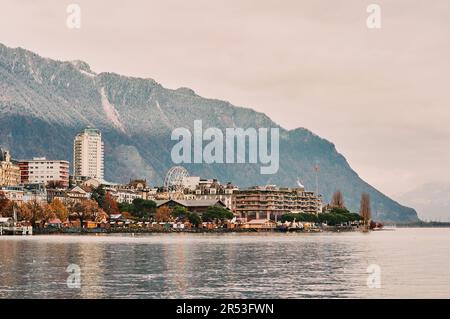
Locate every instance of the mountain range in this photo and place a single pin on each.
(45, 102)
(432, 201)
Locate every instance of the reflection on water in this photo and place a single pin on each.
(414, 263)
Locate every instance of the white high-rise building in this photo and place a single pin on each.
(88, 154)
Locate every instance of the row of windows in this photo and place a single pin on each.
(46, 163)
(43, 176)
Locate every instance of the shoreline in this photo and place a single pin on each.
(128, 231)
(191, 231)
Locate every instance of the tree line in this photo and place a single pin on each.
(101, 206)
(334, 217)
(35, 211)
(336, 213)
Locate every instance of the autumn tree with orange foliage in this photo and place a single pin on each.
(163, 214)
(86, 210)
(24, 213)
(5, 205)
(36, 211)
(30, 211)
(126, 215)
(57, 209)
(109, 204)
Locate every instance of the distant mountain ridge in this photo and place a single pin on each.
(44, 103)
(432, 201)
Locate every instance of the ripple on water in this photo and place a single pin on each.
(324, 265)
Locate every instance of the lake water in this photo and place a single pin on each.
(412, 263)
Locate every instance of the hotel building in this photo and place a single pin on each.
(271, 202)
(88, 154)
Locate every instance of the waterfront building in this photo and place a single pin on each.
(77, 194)
(190, 182)
(128, 192)
(9, 170)
(90, 182)
(55, 193)
(34, 192)
(41, 170)
(122, 193)
(193, 206)
(259, 224)
(25, 193)
(13, 193)
(88, 154)
(138, 184)
(74, 195)
(125, 195)
(152, 193)
(6, 222)
(211, 189)
(271, 202)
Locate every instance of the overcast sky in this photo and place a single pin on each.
(381, 95)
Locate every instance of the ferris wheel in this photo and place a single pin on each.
(174, 178)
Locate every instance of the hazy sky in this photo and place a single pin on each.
(381, 95)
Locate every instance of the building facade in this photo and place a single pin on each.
(25, 193)
(193, 206)
(88, 154)
(125, 195)
(271, 202)
(211, 189)
(13, 193)
(41, 170)
(9, 170)
(68, 196)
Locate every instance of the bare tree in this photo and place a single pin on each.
(36, 211)
(337, 200)
(85, 210)
(365, 210)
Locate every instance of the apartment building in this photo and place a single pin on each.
(41, 170)
(88, 154)
(271, 202)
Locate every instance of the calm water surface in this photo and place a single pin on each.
(414, 263)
